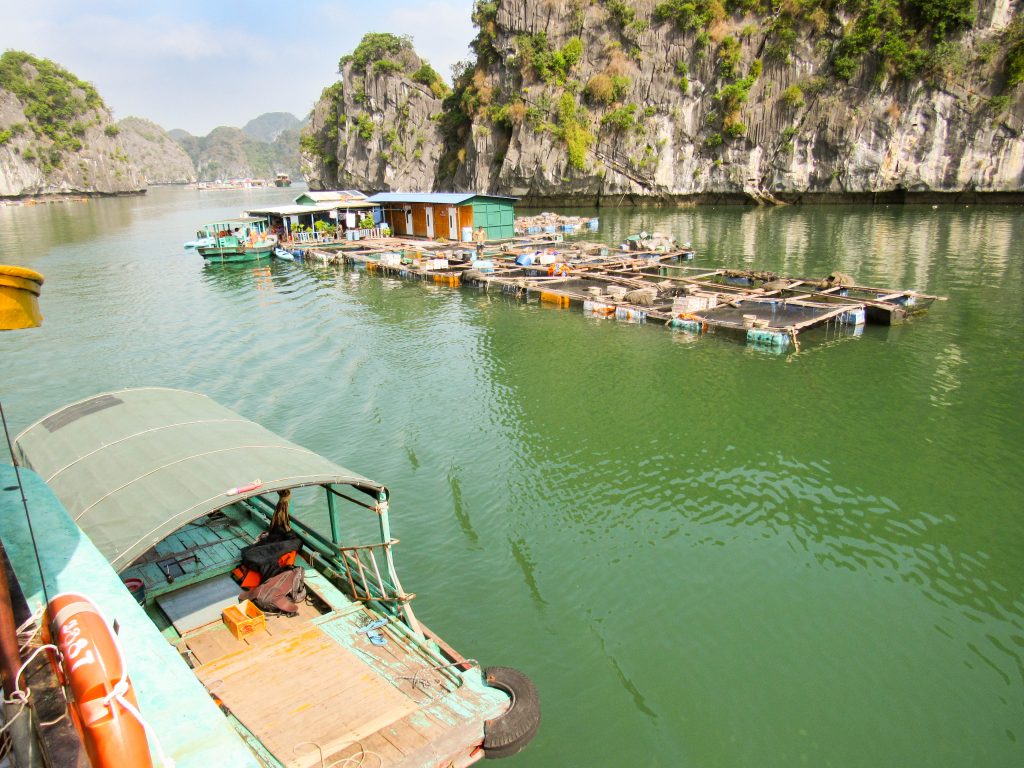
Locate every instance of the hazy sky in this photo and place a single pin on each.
(197, 64)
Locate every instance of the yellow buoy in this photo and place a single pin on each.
(19, 298)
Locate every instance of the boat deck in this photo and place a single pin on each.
(313, 689)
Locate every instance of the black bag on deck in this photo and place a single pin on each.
(264, 557)
(281, 593)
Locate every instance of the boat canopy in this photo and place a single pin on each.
(135, 465)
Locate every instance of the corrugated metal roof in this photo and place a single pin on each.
(237, 220)
(134, 466)
(293, 210)
(336, 194)
(443, 198)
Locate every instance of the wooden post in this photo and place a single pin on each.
(10, 661)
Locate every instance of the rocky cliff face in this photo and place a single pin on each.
(377, 128)
(573, 100)
(56, 134)
(157, 156)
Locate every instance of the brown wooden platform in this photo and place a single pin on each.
(299, 689)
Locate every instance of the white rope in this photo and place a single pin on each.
(355, 761)
(14, 698)
(319, 749)
(20, 695)
(27, 633)
(28, 661)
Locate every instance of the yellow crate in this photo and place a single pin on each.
(244, 619)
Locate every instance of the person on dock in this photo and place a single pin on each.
(480, 236)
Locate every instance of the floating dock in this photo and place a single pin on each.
(759, 308)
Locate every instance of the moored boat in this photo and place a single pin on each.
(246, 238)
(19, 297)
(183, 497)
(282, 180)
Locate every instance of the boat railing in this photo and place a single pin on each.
(363, 573)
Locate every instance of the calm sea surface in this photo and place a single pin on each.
(703, 554)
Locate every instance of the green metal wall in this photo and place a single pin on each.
(495, 216)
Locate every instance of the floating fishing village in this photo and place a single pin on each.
(474, 240)
(571, 383)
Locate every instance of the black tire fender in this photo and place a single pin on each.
(508, 733)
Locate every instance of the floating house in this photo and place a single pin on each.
(447, 215)
(340, 209)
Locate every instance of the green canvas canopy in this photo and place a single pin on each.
(133, 466)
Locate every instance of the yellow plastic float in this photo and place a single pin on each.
(19, 298)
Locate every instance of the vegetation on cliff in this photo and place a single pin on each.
(377, 116)
(679, 94)
(58, 106)
(232, 153)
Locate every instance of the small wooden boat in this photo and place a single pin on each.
(246, 238)
(19, 298)
(181, 497)
(282, 180)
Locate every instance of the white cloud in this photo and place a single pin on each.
(196, 65)
(441, 31)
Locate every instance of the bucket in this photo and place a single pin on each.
(137, 588)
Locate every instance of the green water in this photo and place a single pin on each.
(703, 554)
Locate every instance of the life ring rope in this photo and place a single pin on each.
(81, 654)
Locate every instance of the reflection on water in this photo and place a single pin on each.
(703, 554)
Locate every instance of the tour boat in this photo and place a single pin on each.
(146, 507)
(246, 238)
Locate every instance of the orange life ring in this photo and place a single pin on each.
(93, 670)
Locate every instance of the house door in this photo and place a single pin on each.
(430, 222)
(453, 223)
(408, 221)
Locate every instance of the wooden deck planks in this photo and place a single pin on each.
(300, 688)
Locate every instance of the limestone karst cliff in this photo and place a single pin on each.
(581, 100)
(157, 156)
(377, 128)
(56, 134)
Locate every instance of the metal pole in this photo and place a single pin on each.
(332, 512)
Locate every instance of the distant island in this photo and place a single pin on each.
(58, 137)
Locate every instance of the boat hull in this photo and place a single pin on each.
(19, 298)
(235, 254)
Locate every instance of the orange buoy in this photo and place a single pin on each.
(102, 702)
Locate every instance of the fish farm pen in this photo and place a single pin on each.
(762, 309)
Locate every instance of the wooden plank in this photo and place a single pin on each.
(301, 688)
(213, 644)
